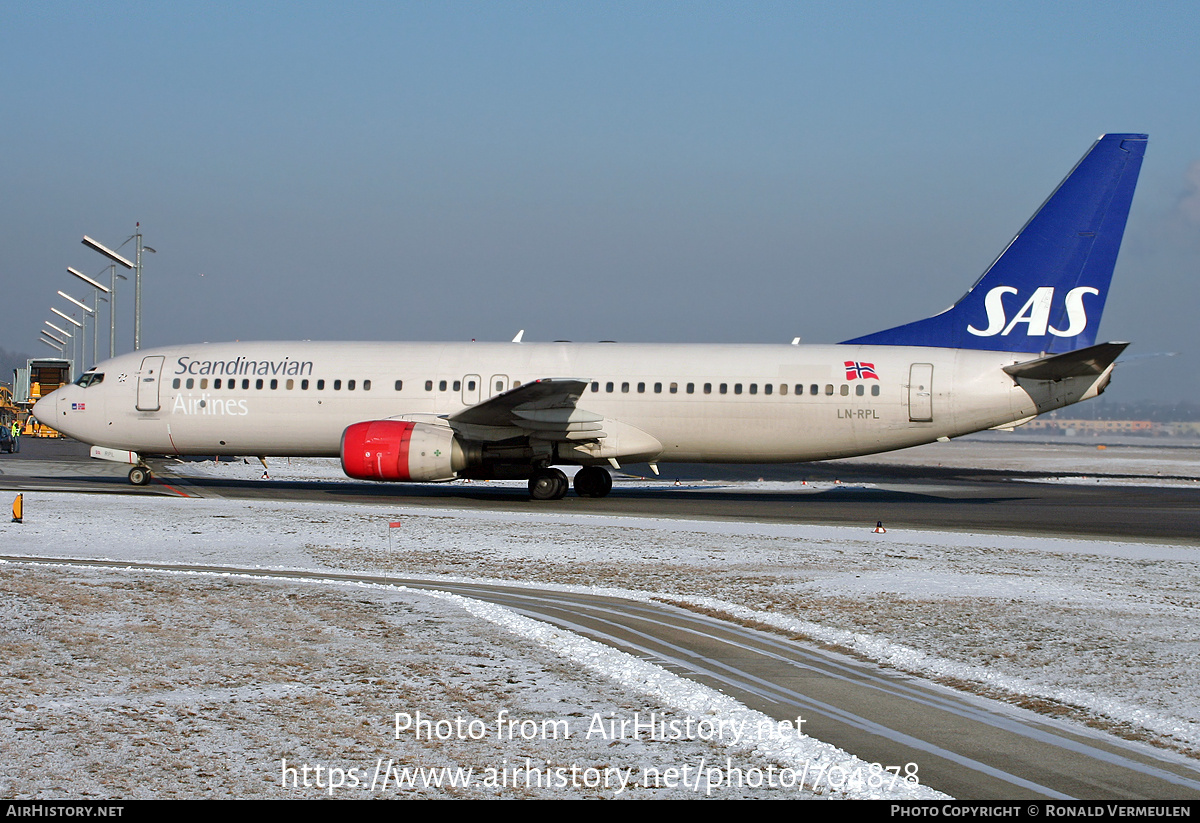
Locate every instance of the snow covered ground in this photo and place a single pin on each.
(129, 683)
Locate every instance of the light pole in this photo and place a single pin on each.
(74, 323)
(137, 288)
(116, 258)
(50, 340)
(97, 288)
(112, 309)
(83, 339)
(63, 332)
(96, 325)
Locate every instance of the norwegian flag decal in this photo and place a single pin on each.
(860, 371)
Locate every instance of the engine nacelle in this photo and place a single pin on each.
(401, 450)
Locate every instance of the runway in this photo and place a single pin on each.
(969, 747)
(908, 496)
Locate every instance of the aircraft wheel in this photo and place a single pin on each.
(139, 475)
(593, 481)
(548, 484)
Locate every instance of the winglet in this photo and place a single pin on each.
(1046, 290)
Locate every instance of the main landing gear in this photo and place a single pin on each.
(593, 481)
(140, 475)
(552, 484)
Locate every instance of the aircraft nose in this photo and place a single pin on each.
(43, 409)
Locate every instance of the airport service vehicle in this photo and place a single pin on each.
(40, 377)
(1020, 342)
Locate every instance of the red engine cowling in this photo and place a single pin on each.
(400, 450)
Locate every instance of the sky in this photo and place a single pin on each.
(664, 172)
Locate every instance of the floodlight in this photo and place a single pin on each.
(109, 253)
(87, 279)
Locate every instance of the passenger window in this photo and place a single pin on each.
(875, 391)
(860, 389)
(674, 388)
(274, 384)
(641, 388)
(470, 385)
(204, 382)
(428, 385)
(737, 388)
(366, 385)
(768, 388)
(845, 390)
(595, 385)
(625, 387)
(458, 385)
(708, 388)
(399, 385)
(217, 383)
(258, 384)
(320, 385)
(691, 388)
(291, 384)
(245, 382)
(190, 382)
(828, 389)
(724, 388)
(658, 388)
(303, 385)
(754, 388)
(441, 385)
(608, 387)
(812, 389)
(175, 385)
(349, 385)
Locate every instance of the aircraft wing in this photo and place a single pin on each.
(546, 409)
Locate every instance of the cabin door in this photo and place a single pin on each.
(149, 379)
(920, 393)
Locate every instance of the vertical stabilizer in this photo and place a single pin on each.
(1046, 290)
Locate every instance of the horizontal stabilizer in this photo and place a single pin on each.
(1089, 362)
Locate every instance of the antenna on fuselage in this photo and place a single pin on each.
(520, 334)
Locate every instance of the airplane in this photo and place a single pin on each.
(1020, 342)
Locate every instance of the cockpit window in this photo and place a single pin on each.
(90, 379)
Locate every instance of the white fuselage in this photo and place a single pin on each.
(702, 403)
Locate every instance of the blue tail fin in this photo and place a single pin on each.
(1046, 290)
